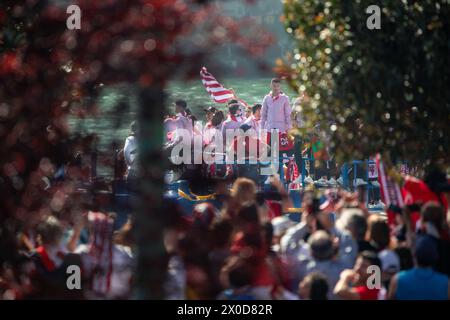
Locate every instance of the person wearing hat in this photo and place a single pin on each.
(421, 282)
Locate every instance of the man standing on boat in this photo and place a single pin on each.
(254, 120)
(232, 123)
(182, 119)
(276, 114)
(130, 151)
(276, 111)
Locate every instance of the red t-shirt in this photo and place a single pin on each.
(367, 294)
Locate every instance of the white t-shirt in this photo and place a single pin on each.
(130, 153)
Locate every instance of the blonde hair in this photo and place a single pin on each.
(244, 190)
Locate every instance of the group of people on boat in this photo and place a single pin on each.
(241, 126)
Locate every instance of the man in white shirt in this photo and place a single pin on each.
(232, 123)
(276, 111)
(130, 151)
(182, 119)
(254, 120)
(276, 115)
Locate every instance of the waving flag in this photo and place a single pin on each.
(218, 93)
(101, 249)
(390, 191)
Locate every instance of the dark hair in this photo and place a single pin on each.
(256, 107)
(275, 80)
(370, 256)
(436, 179)
(380, 233)
(232, 101)
(405, 256)
(240, 274)
(50, 230)
(319, 286)
(434, 213)
(220, 232)
(268, 232)
(426, 251)
(248, 213)
(181, 103)
(245, 127)
(359, 224)
(233, 108)
(217, 118)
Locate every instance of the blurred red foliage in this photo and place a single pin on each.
(45, 68)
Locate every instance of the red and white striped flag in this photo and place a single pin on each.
(101, 249)
(218, 93)
(390, 191)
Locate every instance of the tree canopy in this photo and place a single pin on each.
(380, 90)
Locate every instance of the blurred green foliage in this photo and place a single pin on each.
(371, 91)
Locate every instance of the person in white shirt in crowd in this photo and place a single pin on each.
(130, 151)
(182, 119)
(232, 122)
(182, 124)
(254, 120)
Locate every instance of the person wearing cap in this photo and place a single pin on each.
(421, 282)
